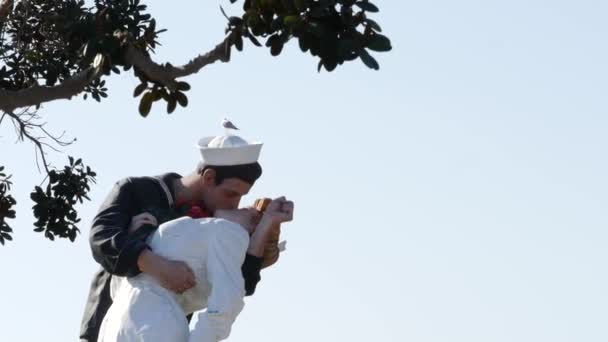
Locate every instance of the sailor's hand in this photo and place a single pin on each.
(173, 275)
(279, 210)
(140, 220)
(176, 276)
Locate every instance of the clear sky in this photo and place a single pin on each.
(457, 195)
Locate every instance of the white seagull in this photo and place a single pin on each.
(228, 126)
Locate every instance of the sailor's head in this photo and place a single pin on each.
(223, 186)
(228, 169)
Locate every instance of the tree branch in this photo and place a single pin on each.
(35, 95)
(166, 74)
(24, 133)
(25, 125)
(6, 7)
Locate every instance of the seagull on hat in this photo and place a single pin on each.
(228, 125)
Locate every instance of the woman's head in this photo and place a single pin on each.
(248, 218)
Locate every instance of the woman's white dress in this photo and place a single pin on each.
(144, 311)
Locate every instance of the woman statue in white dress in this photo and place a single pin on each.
(214, 248)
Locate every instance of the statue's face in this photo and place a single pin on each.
(226, 195)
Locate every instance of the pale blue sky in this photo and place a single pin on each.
(457, 195)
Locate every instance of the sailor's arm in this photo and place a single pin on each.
(111, 245)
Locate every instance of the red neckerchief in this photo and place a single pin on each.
(196, 209)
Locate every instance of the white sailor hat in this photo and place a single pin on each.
(228, 149)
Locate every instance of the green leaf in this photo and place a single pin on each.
(368, 60)
(183, 86)
(171, 105)
(235, 21)
(253, 18)
(346, 46)
(181, 98)
(304, 41)
(292, 20)
(165, 95)
(156, 95)
(316, 29)
(367, 6)
(140, 89)
(72, 235)
(379, 43)
(276, 45)
(301, 5)
(238, 42)
(373, 24)
(330, 64)
(90, 49)
(254, 40)
(145, 105)
(152, 26)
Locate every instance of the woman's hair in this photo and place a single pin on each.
(248, 173)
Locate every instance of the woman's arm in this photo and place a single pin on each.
(260, 237)
(279, 210)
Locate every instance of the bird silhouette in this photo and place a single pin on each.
(228, 125)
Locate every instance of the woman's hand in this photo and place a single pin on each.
(279, 210)
(140, 220)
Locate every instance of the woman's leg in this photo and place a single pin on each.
(144, 315)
